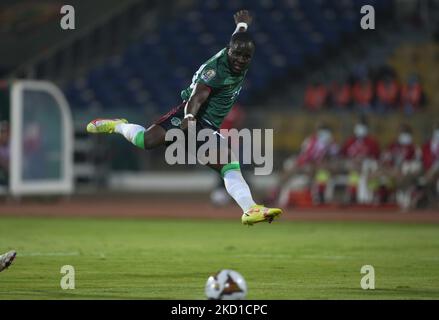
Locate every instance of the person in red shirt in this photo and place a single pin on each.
(361, 145)
(399, 168)
(362, 94)
(316, 150)
(426, 192)
(387, 91)
(360, 152)
(341, 95)
(430, 161)
(316, 95)
(4, 152)
(402, 150)
(430, 152)
(412, 96)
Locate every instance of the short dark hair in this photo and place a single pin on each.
(242, 37)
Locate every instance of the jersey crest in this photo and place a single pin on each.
(176, 121)
(208, 75)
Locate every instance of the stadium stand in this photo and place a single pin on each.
(152, 50)
(152, 72)
(421, 60)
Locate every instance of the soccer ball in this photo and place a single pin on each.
(226, 285)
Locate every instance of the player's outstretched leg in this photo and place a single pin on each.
(6, 260)
(134, 133)
(239, 190)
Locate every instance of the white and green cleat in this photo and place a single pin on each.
(104, 125)
(259, 213)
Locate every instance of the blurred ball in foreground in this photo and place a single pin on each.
(226, 285)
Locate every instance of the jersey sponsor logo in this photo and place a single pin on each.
(176, 121)
(208, 75)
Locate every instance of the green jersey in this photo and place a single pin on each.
(225, 85)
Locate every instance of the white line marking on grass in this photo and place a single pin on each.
(48, 254)
(430, 259)
(264, 256)
(327, 257)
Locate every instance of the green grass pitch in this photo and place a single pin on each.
(171, 259)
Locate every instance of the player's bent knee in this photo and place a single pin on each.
(153, 137)
(148, 141)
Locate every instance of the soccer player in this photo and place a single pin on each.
(6, 260)
(206, 102)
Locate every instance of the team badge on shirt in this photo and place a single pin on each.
(208, 75)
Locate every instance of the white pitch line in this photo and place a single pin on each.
(47, 254)
(327, 257)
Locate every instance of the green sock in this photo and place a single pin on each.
(139, 139)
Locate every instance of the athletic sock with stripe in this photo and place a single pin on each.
(132, 132)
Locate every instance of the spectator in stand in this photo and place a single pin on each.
(362, 94)
(4, 152)
(429, 182)
(387, 94)
(360, 153)
(401, 150)
(399, 169)
(412, 95)
(316, 96)
(430, 150)
(341, 95)
(361, 145)
(314, 160)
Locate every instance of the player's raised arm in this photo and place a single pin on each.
(199, 95)
(243, 20)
